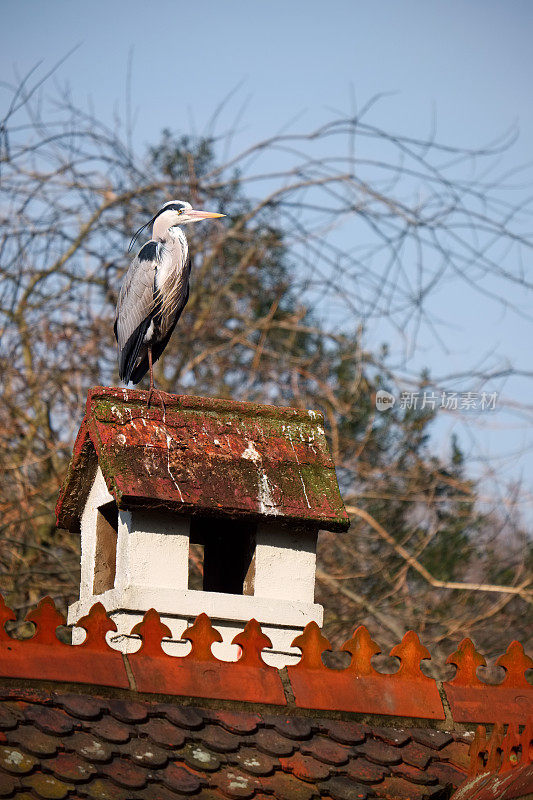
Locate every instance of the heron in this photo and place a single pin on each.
(154, 291)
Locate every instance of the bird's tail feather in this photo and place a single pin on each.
(140, 371)
(130, 353)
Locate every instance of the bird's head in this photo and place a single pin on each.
(175, 212)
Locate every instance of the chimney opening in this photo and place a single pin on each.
(105, 557)
(196, 566)
(222, 555)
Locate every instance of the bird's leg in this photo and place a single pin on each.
(160, 393)
(150, 393)
(151, 374)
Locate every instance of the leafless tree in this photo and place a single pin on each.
(352, 227)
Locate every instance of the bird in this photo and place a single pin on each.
(154, 291)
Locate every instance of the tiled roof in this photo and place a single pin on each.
(501, 765)
(56, 745)
(359, 688)
(516, 785)
(86, 721)
(200, 455)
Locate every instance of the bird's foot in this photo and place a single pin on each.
(163, 407)
(153, 391)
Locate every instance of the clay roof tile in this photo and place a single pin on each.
(201, 444)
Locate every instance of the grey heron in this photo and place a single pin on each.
(154, 291)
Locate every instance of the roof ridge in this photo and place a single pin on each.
(359, 688)
(193, 402)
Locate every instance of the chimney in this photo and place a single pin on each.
(250, 484)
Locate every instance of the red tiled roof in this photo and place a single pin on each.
(359, 688)
(516, 785)
(200, 455)
(501, 766)
(132, 735)
(90, 746)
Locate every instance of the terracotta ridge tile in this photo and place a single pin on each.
(471, 700)
(360, 687)
(249, 679)
(44, 657)
(407, 694)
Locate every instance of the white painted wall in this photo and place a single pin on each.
(152, 550)
(98, 496)
(285, 563)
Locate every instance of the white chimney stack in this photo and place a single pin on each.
(246, 485)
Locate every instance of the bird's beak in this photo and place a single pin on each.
(194, 216)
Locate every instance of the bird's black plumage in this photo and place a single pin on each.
(130, 352)
(148, 252)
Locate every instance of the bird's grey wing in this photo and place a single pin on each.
(169, 325)
(135, 307)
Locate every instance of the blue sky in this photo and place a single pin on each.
(469, 61)
(467, 66)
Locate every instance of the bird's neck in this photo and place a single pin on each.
(171, 239)
(173, 248)
(161, 232)
(175, 240)
(175, 234)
